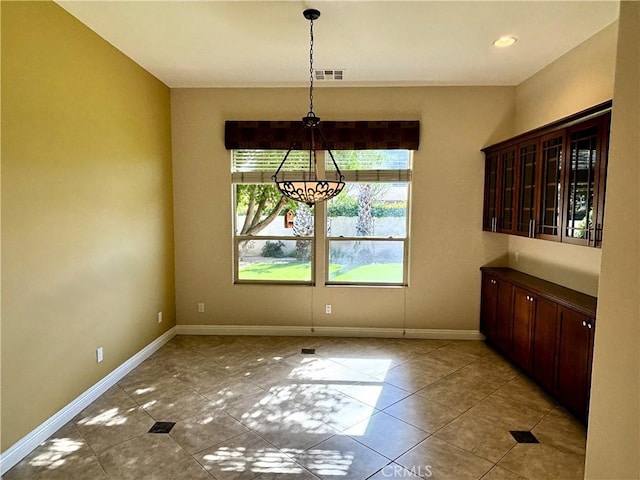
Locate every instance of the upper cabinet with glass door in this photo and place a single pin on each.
(550, 183)
(585, 172)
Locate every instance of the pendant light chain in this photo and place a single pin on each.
(311, 69)
(310, 189)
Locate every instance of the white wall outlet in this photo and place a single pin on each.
(327, 309)
(200, 307)
(99, 354)
(159, 317)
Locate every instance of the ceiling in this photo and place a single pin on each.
(377, 43)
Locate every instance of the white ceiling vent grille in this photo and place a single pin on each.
(329, 74)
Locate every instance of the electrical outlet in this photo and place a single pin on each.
(517, 255)
(327, 309)
(200, 307)
(99, 354)
(159, 317)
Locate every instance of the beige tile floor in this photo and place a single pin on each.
(256, 408)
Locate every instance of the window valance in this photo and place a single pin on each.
(359, 135)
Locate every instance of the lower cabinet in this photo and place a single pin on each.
(543, 343)
(524, 309)
(497, 316)
(545, 329)
(574, 355)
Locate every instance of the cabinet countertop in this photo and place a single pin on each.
(578, 301)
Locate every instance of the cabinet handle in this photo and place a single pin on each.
(589, 325)
(533, 228)
(493, 282)
(529, 229)
(584, 324)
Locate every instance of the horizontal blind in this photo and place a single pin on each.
(258, 166)
(372, 176)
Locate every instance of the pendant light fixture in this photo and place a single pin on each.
(311, 189)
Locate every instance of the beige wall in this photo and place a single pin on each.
(447, 242)
(614, 420)
(579, 79)
(87, 252)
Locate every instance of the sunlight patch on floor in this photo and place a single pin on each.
(57, 450)
(107, 418)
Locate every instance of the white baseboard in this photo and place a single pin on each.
(295, 331)
(29, 442)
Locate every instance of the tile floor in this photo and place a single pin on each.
(256, 408)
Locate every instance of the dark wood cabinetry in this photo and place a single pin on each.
(497, 313)
(574, 356)
(543, 342)
(544, 328)
(585, 172)
(549, 183)
(523, 312)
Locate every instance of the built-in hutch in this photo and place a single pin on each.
(544, 328)
(549, 183)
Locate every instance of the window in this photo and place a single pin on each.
(367, 224)
(365, 233)
(267, 246)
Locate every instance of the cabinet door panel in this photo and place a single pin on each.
(523, 308)
(549, 193)
(543, 345)
(507, 192)
(527, 180)
(488, 307)
(490, 192)
(504, 316)
(574, 351)
(580, 175)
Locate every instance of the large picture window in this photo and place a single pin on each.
(365, 233)
(274, 237)
(367, 224)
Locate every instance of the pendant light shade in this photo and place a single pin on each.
(311, 189)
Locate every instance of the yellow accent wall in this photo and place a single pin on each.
(87, 222)
(447, 244)
(581, 78)
(613, 442)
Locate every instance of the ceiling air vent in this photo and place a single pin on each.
(329, 74)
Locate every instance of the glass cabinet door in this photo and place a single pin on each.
(526, 212)
(490, 214)
(548, 222)
(506, 212)
(581, 181)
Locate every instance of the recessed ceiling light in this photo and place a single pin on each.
(505, 41)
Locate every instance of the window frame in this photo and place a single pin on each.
(321, 241)
(404, 240)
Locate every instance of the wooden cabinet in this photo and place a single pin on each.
(548, 219)
(549, 183)
(544, 328)
(574, 355)
(585, 172)
(523, 313)
(496, 318)
(490, 215)
(543, 342)
(528, 164)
